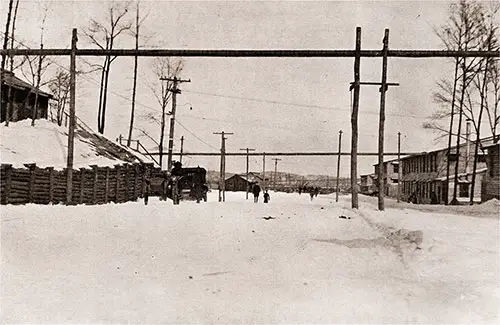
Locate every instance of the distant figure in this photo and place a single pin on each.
(147, 189)
(266, 197)
(256, 192)
(205, 191)
(176, 170)
(311, 193)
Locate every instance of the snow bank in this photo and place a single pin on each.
(46, 145)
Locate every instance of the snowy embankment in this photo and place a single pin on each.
(224, 263)
(46, 144)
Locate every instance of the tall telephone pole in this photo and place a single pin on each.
(247, 150)
(354, 122)
(175, 90)
(338, 168)
(222, 184)
(72, 119)
(182, 149)
(275, 171)
(383, 90)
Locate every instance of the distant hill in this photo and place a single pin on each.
(288, 180)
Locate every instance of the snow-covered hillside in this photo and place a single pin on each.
(46, 144)
(224, 263)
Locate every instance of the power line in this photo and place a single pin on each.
(268, 101)
(194, 135)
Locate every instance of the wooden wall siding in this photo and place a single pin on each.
(94, 185)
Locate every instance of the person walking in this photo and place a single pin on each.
(266, 197)
(147, 189)
(256, 192)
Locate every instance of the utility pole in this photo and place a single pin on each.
(383, 90)
(354, 122)
(174, 91)
(338, 167)
(72, 119)
(399, 166)
(182, 149)
(222, 184)
(275, 171)
(247, 150)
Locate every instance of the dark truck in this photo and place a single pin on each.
(182, 184)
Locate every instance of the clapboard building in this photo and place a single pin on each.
(424, 175)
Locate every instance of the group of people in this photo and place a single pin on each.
(256, 192)
(313, 191)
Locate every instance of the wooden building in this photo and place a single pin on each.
(391, 169)
(490, 186)
(23, 99)
(368, 185)
(239, 182)
(423, 177)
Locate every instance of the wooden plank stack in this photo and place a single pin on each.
(93, 185)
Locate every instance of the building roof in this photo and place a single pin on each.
(483, 142)
(11, 80)
(252, 177)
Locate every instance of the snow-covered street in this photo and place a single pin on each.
(225, 263)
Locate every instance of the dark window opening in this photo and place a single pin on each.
(464, 190)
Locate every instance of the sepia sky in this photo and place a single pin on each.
(270, 104)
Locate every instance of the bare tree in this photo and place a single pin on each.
(481, 84)
(104, 36)
(464, 30)
(492, 93)
(5, 44)
(138, 23)
(37, 85)
(59, 87)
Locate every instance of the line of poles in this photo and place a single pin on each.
(357, 53)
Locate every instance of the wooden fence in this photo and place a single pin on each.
(94, 185)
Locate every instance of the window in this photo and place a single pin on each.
(481, 158)
(396, 168)
(463, 190)
(452, 157)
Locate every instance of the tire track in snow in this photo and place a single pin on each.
(401, 240)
